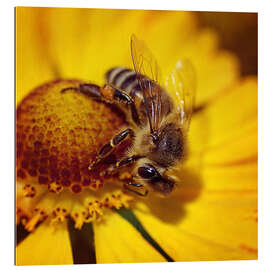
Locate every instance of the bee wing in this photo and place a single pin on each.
(148, 73)
(182, 81)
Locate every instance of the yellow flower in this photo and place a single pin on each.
(213, 213)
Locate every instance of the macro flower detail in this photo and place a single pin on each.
(68, 214)
(55, 144)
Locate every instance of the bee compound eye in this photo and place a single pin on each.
(147, 171)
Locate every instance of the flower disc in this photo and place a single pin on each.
(58, 136)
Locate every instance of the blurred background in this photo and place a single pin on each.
(238, 32)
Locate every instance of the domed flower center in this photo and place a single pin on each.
(57, 136)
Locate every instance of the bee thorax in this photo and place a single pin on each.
(169, 147)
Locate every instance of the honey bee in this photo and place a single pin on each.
(158, 123)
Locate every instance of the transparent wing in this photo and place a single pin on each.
(182, 83)
(148, 73)
(143, 60)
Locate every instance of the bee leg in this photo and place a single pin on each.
(126, 186)
(109, 147)
(89, 90)
(127, 161)
(120, 164)
(108, 94)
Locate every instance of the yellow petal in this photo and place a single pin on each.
(201, 48)
(226, 131)
(76, 40)
(119, 242)
(33, 67)
(239, 177)
(241, 149)
(46, 245)
(214, 226)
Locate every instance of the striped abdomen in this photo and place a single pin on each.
(125, 79)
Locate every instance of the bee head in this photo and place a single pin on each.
(158, 183)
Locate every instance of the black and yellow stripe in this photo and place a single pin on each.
(125, 79)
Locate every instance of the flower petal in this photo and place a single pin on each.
(76, 40)
(227, 178)
(33, 66)
(215, 70)
(46, 245)
(216, 226)
(226, 131)
(116, 233)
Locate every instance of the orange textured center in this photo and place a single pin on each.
(59, 134)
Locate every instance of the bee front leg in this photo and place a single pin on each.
(110, 146)
(87, 89)
(121, 164)
(136, 185)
